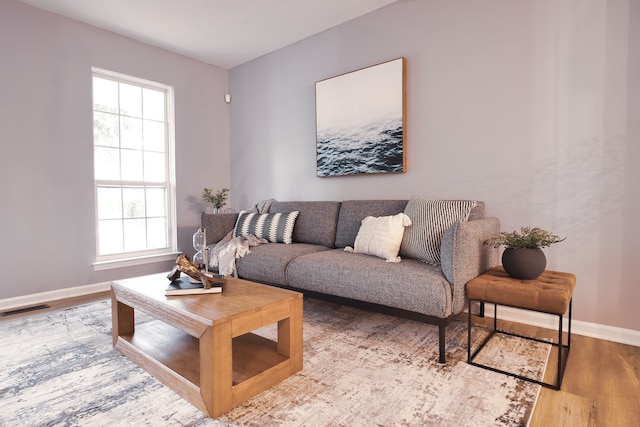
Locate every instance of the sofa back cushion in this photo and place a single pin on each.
(353, 212)
(316, 223)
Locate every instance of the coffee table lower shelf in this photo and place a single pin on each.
(173, 357)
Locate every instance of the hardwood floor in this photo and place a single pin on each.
(601, 385)
(63, 303)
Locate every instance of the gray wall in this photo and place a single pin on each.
(47, 226)
(530, 106)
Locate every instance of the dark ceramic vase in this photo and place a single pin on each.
(522, 263)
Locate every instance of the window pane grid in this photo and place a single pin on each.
(133, 217)
(132, 180)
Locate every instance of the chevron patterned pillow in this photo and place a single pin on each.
(429, 221)
(274, 227)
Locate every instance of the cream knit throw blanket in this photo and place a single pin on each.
(223, 254)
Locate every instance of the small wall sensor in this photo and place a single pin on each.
(227, 98)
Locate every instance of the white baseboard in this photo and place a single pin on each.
(43, 297)
(588, 329)
(594, 330)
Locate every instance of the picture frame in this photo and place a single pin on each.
(360, 121)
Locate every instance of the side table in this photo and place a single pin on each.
(551, 293)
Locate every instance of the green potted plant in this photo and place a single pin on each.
(216, 200)
(523, 257)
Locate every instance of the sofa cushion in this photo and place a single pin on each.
(352, 212)
(316, 223)
(274, 227)
(381, 236)
(410, 285)
(430, 219)
(267, 263)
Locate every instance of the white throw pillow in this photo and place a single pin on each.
(381, 236)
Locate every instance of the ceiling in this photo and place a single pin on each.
(225, 33)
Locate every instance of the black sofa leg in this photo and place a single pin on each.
(441, 339)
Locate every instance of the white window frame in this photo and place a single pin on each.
(124, 259)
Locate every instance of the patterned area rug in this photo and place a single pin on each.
(360, 369)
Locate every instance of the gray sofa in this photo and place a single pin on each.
(317, 265)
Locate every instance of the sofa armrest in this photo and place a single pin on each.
(218, 225)
(465, 256)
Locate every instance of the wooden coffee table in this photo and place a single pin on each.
(201, 346)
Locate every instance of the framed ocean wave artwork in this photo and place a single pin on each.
(360, 121)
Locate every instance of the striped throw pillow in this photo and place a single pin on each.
(274, 227)
(430, 219)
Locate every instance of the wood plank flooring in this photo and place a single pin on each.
(601, 386)
(60, 304)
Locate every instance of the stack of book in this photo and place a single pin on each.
(184, 286)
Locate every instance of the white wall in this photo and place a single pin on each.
(46, 167)
(526, 105)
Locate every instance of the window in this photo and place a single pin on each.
(133, 167)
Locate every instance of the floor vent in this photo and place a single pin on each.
(24, 310)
